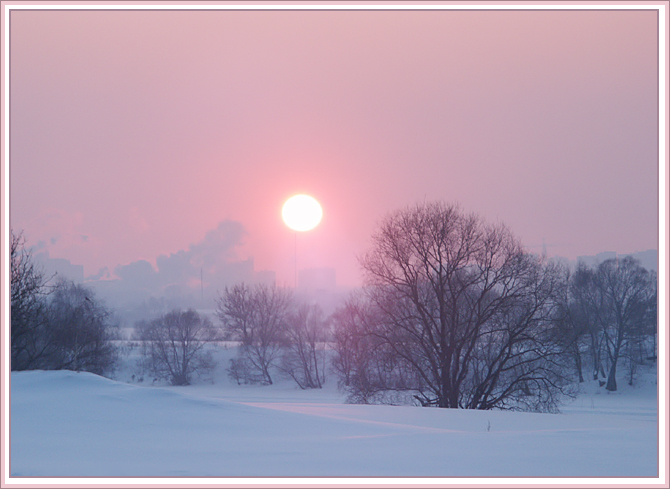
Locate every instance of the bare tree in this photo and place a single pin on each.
(464, 310)
(304, 356)
(174, 345)
(571, 324)
(61, 326)
(81, 330)
(348, 335)
(29, 337)
(254, 315)
(629, 295)
(589, 312)
(609, 310)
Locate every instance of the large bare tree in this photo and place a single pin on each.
(463, 312)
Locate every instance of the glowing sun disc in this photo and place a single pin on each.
(301, 213)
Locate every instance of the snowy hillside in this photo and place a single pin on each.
(79, 424)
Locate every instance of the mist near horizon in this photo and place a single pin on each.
(196, 276)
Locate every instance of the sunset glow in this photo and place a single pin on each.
(536, 118)
(301, 213)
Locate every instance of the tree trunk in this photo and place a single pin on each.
(597, 367)
(631, 372)
(266, 374)
(611, 378)
(578, 361)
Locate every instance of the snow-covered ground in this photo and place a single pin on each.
(79, 424)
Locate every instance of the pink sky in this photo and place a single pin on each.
(135, 133)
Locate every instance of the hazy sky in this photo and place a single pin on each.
(136, 134)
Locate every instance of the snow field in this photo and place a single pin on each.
(79, 424)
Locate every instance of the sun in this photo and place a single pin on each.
(301, 212)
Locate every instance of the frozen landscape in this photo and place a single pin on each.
(457, 205)
(65, 423)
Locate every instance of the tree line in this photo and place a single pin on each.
(454, 313)
(273, 331)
